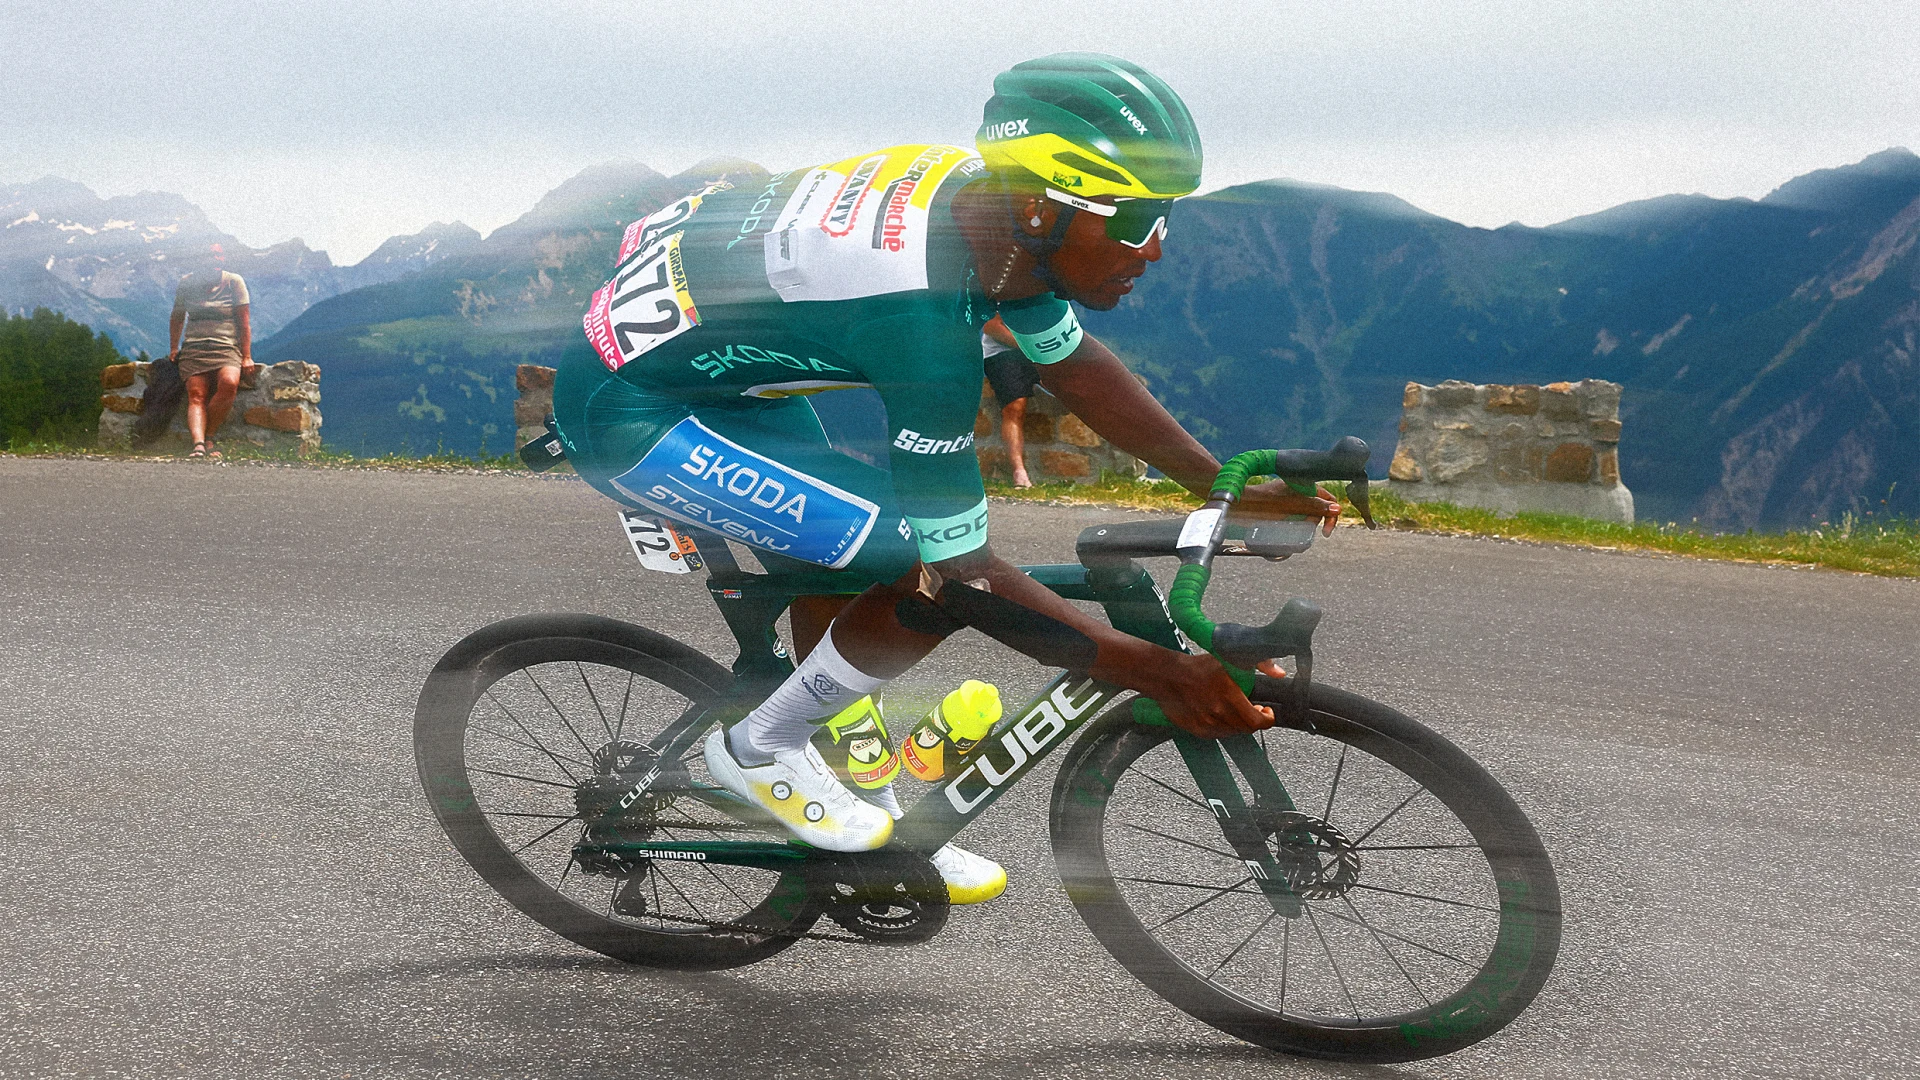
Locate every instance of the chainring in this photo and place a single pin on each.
(886, 897)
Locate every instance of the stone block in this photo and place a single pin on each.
(1036, 426)
(1599, 399)
(995, 463)
(531, 414)
(120, 403)
(291, 418)
(1404, 467)
(1517, 400)
(117, 376)
(1074, 432)
(297, 392)
(1066, 464)
(1453, 393)
(1454, 455)
(1570, 463)
(985, 424)
(1558, 402)
(1411, 397)
(1604, 430)
(528, 378)
(1610, 466)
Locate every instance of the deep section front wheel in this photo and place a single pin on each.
(1419, 912)
(531, 729)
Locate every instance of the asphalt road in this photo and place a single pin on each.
(216, 861)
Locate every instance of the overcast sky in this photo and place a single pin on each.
(345, 123)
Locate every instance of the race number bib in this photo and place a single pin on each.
(658, 546)
(645, 305)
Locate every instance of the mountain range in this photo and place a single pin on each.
(113, 263)
(1767, 346)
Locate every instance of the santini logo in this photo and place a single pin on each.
(1008, 130)
(915, 443)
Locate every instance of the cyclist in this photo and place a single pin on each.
(730, 305)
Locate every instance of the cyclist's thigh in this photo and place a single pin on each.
(760, 474)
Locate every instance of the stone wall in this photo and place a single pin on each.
(1552, 448)
(277, 408)
(1059, 446)
(530, 409)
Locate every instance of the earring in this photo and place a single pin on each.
(1034, 221)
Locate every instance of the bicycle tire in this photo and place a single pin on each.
(1520, 949)
(445, 727)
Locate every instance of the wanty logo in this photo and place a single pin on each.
(846, 204)
(915, 443)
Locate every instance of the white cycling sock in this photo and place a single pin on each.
(820, 687)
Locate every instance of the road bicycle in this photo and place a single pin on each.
(1347, 884)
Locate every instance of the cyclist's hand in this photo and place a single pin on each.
(1274, 499)
(1201, 698)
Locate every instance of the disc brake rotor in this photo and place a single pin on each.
(1318, 860)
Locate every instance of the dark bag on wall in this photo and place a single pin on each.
(164, 394)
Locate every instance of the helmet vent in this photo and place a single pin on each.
(1087, 165)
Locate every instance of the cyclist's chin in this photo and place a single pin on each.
(1104, 297)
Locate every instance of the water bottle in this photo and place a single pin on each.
(951, 730)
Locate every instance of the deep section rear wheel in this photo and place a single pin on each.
(1428, 915)
(531, 728)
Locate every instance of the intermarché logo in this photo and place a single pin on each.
(915, 443)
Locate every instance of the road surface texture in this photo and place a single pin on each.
(217, 862)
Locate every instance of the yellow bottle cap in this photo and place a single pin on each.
(971, 709)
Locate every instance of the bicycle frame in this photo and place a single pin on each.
(751, 603)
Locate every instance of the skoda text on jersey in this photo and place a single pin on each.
(697, 476)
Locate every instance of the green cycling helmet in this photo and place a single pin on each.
(1090, 125)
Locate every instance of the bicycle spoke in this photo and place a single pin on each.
(528, 814)
(1217, 894)
(1180, 884)
(1271, 915)
(1338, 767)
(528, 779)
(691, 906)
(541, 746)
(477, 729)
(564, 722)
(1418, 847)
(544, 835)
(1468, 964)
(1286, 945)
(1378, 940)
(1156, 780)
(621, 728)
(595, 698)
(1314, 922)
(1362, 838)
(1426, 896)
(1179, 840)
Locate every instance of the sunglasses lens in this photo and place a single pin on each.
(1136, 222)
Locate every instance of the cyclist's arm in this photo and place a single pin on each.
(1195, 691)
(1095, 386)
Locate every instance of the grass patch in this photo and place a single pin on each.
(1864, 543)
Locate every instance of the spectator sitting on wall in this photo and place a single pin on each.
(1013, 378)
(211, 338)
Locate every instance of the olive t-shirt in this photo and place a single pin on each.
(211, 301)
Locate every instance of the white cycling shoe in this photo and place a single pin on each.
(800, 789)
(970, 878)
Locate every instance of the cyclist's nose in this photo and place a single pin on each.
(1151, 252)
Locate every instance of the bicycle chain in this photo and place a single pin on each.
(761, 930)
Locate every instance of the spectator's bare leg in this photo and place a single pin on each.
(1011, 419)
(228, 384)
(199, 389)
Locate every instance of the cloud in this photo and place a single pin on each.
(347, 122)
